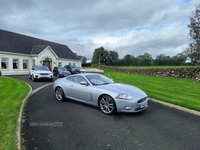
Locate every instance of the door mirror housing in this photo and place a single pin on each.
(84, 83)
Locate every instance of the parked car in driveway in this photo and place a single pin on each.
(61, 72)
(72, 69)
(100, 91)
(81, 70)
(40, 72)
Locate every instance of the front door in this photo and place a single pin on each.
(48, 63)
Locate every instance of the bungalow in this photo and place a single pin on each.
(18, 53)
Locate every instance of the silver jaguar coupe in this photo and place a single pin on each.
(100, 91)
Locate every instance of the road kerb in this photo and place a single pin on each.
(194, 112)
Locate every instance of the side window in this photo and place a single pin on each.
(15, 63)
(71, 79)
(33, 62)
(60, 64)
(25, 63)
(4, 63)
(76, 79)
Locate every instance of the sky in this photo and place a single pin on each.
(125, 26)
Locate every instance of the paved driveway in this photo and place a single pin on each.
(34, 85)
(68, 125)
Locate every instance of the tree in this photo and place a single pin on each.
(103, 56)
(111, 58)
(179, 59)
(83, 59)
(144, 60)
(162, 60)
(97, 55)
(128, 60)
(194, 32)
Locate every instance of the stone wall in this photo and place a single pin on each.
(189, 73)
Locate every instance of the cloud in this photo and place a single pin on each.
(126, 26)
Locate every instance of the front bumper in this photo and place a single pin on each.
(38, 76)
(131, 106)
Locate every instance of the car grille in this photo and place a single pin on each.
(142, 100)
(44, 74)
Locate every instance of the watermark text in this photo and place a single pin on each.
(46, 124)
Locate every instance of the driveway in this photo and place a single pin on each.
(34, 85)
(68, 125)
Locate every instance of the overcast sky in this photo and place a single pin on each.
(125, 26)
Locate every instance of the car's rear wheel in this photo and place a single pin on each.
(59, 94)
(107, 104)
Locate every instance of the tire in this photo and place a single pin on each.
(58, 75)
(59, 93)
(32, 78)
(107, 104)
(29, 76)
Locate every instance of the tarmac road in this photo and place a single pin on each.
(68, 125)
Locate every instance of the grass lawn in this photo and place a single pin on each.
(12, 93)
(182, 92)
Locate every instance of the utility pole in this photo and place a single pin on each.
(99, 58)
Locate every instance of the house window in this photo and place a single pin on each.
(15, 63)
(33, 62)
(25, 63)
(4, 63)
(59, 64)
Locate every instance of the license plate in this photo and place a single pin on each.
(143, 105)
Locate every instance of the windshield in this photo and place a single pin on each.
(98, 79)
(74, 67)
(41, 68)
(62, 69)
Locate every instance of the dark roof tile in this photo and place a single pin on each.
(18, 43)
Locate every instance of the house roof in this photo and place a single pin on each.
(22, 44)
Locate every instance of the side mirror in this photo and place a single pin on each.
(84, 83)
(112, 80)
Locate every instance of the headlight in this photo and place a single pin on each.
(124, 96)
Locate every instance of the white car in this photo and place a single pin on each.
(40, 72)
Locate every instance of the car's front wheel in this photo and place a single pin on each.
(58, 75)
(107, 104)
(59, 94)
(32, 78)
(29, 75)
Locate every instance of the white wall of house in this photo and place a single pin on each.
(62, 62)
(12, 64)
(20, 64)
